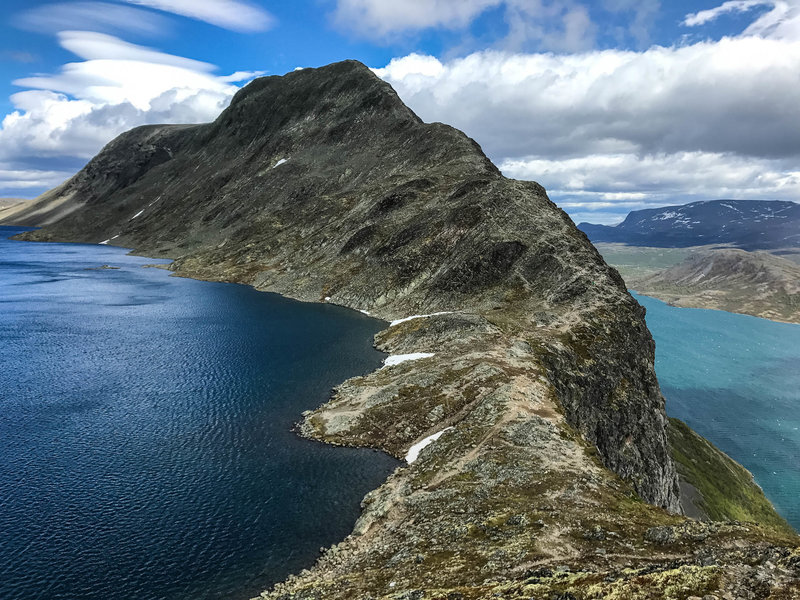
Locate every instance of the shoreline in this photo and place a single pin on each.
(699, 307)
(390, 526)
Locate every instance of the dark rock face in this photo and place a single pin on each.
(746, 224)
(602, 399)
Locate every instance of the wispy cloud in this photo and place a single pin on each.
(236, 15)
(379, 18)
(561, 26)
(733, 6)
(20, 56)
(781, 21)
(93, 16)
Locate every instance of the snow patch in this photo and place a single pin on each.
(361, 310)
(396, 359)
(413, 452)
(280, 162)
(412, 317)
(138, 214)
(104, 242)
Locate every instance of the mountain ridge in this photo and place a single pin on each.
(746, 224)
(533, 359)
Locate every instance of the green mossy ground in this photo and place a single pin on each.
(728, 490)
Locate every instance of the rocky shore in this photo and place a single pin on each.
(554, 475)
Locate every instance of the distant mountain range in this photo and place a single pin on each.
(746, 224)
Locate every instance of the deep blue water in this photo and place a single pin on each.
(735, 379)
(145, 443)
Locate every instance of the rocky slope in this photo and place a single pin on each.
(746, 224)
(10, 207)
(754, 283)
(535, 362)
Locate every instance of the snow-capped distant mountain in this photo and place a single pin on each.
(747, 224)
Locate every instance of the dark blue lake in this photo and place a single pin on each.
(735, 379)
(145, 429)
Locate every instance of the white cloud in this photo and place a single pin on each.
(379, 18)
(229, 14)
(117, 86)
(736, 95)
(601, 128)
(96, 16)
(782, 21)
(599, 179)
(559, 26)
(644, 14)
(27, 179)
(117, 72)
(704, 16)
(555, 25)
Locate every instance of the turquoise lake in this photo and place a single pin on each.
(146, 444)
(735, 379)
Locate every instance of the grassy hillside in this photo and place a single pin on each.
(728, 490)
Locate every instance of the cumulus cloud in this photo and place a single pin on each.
(715, 118)
(116, 86)
(22, 180)
(736, 95)
(229, 14)
(600, 188)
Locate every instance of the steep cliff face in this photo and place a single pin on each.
(323, 186)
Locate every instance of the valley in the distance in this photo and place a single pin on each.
(737, 256)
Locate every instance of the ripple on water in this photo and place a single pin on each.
(145, 444)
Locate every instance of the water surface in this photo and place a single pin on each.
(735, 379)
(145, 443)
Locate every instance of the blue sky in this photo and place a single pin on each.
(612, 105)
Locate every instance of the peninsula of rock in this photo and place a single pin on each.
(551, 473)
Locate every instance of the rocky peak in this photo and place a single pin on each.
(321, 185)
